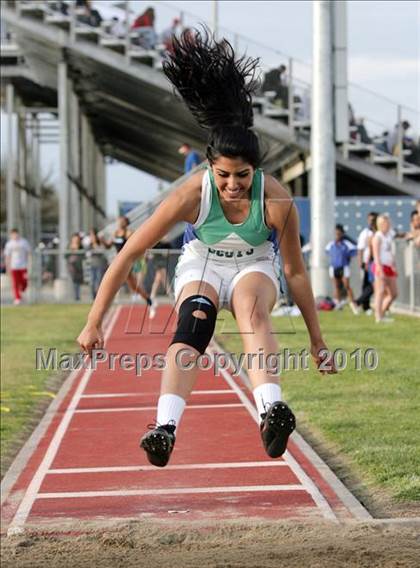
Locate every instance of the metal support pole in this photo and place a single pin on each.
(215, 18)
(74, 165)
(35, 221)
(94, 181)
(400, 149)
(322, 147)
(22, 197)
(28, 126)
(64, 191)
(10, 162)
(236, 43)
(91, 178)
(341, 109)
(37, 185)
(101, 190)
(290, 98)
(412, 271)
(127, 31)
(72, 9)
(87, 173)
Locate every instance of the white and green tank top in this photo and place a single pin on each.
(215, 238)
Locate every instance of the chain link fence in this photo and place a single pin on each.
(85, 270)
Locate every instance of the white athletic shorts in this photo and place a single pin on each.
(346, 271)
(223, 277)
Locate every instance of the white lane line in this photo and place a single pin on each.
(306, 481)
(16, 526)
(178, 491)
(191, 466)
(149, 408)
(139, 394)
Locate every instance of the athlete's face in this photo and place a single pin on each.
(233, 177)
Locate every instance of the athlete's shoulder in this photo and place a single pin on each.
(186, 198)
(279, 206)
(190, 189)
(273, 189)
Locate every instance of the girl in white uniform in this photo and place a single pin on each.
(385, 282)
(236, 219)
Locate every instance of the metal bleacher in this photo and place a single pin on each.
(136, 119)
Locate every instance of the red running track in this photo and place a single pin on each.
(87, 466)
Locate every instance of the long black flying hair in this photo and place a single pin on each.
(217, 88)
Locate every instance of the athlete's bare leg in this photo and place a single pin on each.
(379, 286)
(391, 293)
(174, 379)
(253, 299)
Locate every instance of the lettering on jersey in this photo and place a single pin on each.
(231, 253)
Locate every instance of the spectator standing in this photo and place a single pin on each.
(74, 259)
(384, 269)
(275, 80)
(362, 133)
(17, 255)
(192, 157)
(98, 261)
(414, 233)
(392, 140)
(364, 258)
(341, 251)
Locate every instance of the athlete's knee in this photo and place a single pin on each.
(196, 322)
(253, 312)
(260, 316)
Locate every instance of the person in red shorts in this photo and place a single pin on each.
(17, 253)
(384, 269)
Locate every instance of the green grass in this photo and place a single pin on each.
(24, 389)
(370, 417)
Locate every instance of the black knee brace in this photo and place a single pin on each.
(192, 330)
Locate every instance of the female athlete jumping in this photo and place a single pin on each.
(236, 220)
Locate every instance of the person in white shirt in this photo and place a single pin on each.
(364, 258)
(17, 254)
(384, 269)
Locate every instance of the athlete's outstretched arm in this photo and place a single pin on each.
(283, 216)
(181, 205)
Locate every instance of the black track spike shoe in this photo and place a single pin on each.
(159, 443)
(277, 423)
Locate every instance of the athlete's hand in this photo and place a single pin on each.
(91, 337)
(323, 358)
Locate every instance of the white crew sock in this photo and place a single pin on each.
(266, 394)
(170, 407)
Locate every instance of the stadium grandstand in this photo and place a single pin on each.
(98, 91)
